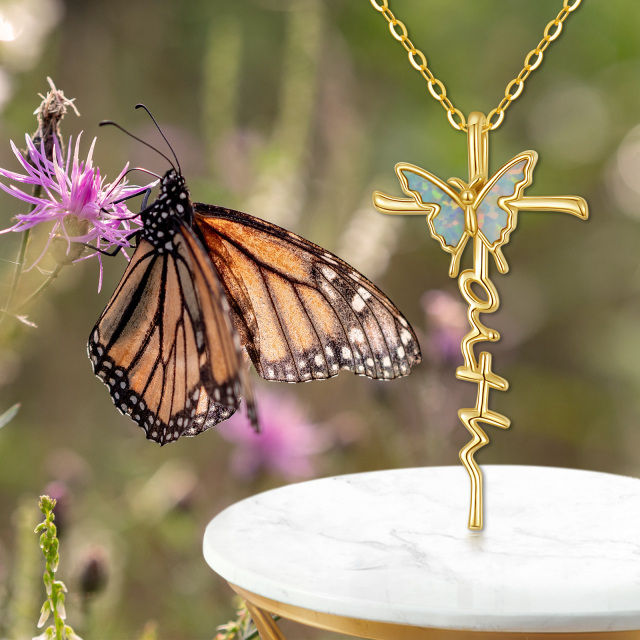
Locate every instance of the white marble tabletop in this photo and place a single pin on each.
(560, 550)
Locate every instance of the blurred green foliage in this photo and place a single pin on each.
(294, 111)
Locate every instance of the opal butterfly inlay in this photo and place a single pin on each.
(457, 211)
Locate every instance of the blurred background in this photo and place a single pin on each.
(295, 111)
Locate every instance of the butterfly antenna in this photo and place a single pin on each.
(142, 106)
(115, 124)
(151, 173)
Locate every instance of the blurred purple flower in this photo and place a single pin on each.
(93, 573)
(82, 206)
(285, 445)
(446, 325)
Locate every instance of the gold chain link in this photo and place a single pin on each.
(437, 89)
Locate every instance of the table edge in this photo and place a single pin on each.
(378, 630)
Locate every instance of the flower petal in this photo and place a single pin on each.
(72, 187)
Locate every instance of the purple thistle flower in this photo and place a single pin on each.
(285, 445)
(81, 205)
(447, 324)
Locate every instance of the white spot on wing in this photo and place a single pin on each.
(328, 273)
(357, 303)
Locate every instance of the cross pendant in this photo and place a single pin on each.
(484, 210)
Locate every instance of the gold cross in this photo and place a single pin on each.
(469, 209)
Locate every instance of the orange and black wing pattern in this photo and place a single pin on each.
(165, 346)
(169, 343)
(301, 312)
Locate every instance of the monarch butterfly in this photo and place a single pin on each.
(206, 284)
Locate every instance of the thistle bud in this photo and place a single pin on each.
(50, 112)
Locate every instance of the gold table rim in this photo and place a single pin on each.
(375, 630)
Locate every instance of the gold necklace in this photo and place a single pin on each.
(437, 89)
(484, 210)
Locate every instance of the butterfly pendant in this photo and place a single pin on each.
(458, 211)
(208, 288)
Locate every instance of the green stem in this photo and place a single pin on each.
(17, 273)
(52, 276)
(37, 189)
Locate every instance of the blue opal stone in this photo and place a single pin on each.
(449, 222)
(492, 219)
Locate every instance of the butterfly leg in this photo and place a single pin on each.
(110, 254)
(145, 199)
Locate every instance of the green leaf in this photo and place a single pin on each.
(48, 583)
(44, 614)
(9, 414)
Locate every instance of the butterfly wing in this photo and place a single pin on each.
(446, 220)
(164, 345)
(496, 215)
(301, 312)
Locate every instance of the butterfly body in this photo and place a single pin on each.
(160, 221)
(459, 211)
(207, 286)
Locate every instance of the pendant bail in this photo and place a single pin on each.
(478, 138)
